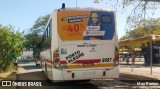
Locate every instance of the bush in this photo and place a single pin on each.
(10, 47)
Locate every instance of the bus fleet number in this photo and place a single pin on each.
(106, 59)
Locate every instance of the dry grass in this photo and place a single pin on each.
(8, 76)
(7, 87)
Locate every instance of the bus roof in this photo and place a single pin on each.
(83, 9)
(78, 9)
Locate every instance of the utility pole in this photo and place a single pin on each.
(151, 54)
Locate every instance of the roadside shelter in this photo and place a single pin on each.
(144, 39)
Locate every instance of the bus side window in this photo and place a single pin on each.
(43, 43)
(48, 40)
(46, 34)
(50, 30)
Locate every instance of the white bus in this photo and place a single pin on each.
(80, 44)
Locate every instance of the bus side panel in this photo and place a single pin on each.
(56, 73)
(46, 50)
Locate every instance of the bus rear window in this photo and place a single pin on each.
(106, 19)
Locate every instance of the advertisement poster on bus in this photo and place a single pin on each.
(86, 25)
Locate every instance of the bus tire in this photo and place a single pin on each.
(37, 64)
(43, 70)
(46, 70)
(42, 67)
(88, 80)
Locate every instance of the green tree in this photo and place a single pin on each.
(151, 26)
(124, 37)
(142, 9)
(33, 38)
(10, 47)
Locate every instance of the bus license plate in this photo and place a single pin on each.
(88, 64)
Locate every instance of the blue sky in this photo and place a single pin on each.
(23, 13)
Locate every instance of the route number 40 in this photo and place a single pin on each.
(106, 59)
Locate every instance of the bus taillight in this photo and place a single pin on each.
(56, 59)
(56, 55)
(116, 56)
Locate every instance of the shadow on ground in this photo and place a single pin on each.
(39, 76)
(29, 67)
